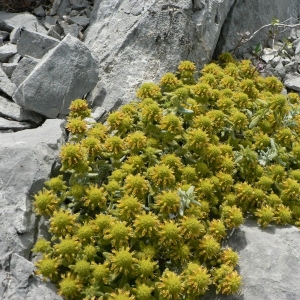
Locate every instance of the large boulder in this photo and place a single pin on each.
(138, 41)
(250, 15)
(66, 72)
(26, 160)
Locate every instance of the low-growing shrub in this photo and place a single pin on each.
(145, 200)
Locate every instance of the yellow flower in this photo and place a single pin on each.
(172, 124)
(136, 185)
(129, 207)
(146, 225)
(45, 203)
(95, 197)
(148, 90)
(136, 141)
(69, 287)
(62, 222)
(79, 108)
(169, 234)
(76, 125)
(118, 234)
(123, 261)
(168, 202)
(170, 286)
(48, 267)
(196, 280)
(161, 175)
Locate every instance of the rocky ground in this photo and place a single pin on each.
(52, 53)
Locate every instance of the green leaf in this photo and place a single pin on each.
(257, 48)
(255, 121)
(184, 110)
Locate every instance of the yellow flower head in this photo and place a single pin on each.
(48, 267)
(146, 225)
(161, 175)
(170, 286)
(123, 261)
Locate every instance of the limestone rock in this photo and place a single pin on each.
(6, 51)
(72, 29)
(280, 70)
(39, 11)
(15, 35)
(8, 68)
(24, 68)
(81, 21)
(35, 44)
(15, 58)
(26, 158)
(6, 85)
(21, 20)
(4, 26)
(16, 112)
(79, 4)
(97, 113)
(250, 15)
(14, 125)
(292, 81)
(51, 32)
(296, 46)
(269, 262)
(138, 41)
(4, 34)
(295, 34)
(65, 73)
(269, 54)
(59, 6)
(50, 20)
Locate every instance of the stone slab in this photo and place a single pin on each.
(35, 44)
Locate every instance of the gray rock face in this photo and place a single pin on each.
(24, 68)
(81, 21)
(15, 35)
(138, 41)
(67, 72)
(296, 46)
(59, 7)
(79, 4)
(51, 32)
(13, 125)
(6, 51)
(16, 112)
(8, 68)
(26, 159)
(15, 58)
(292, 81)
(18, 20)
(39, 11)
(250, 15)
(6, 85)
(35, 44)
(71, 29)
(4, 34)
(269, 263)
